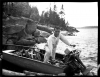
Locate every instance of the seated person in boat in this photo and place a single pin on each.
(52, 42)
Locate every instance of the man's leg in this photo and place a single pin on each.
(47, 54)
(53, 54)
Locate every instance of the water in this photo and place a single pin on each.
(86, 41)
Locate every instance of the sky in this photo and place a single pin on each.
(78, 14)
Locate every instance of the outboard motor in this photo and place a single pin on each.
(73, 65)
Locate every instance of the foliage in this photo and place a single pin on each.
(34, 14)
(18, 9)
(23, 9)
(55, 19)
(52, 17)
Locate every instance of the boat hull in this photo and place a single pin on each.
(32, 65)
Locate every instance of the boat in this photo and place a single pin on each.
(69, 66)
(32, 65)
(29, 64)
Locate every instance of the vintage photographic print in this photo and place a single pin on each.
(49, 39)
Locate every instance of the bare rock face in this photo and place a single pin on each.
(31, 26)
(36, 33)
(41, 40)
(44, 28)
(16, 24)
(26, 42)
(12, 29)
(14, 20)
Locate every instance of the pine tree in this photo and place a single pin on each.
(42, 17)
(34, 14)
(62, 19)
(62, 12)
(55, 7)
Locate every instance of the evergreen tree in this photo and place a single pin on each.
(55, 7)
(62, 12)
(34, 14)
(42, 17)
(62, 19)
(20, 9)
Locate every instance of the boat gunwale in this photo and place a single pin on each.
(9, 53)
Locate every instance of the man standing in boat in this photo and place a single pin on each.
(51, 46)
(52, 42)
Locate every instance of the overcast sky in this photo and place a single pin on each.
(78, 14)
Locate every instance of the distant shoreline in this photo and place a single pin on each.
(87, 27)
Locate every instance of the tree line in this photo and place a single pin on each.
(50, 17)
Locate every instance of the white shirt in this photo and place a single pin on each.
(52, 41)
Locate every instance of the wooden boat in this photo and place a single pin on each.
(31, 64)
(70, 66)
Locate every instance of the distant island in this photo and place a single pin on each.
(87, 27)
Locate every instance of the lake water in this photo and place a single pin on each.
(86, 41)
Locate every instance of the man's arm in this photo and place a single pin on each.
(63, 38)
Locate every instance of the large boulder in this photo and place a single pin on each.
(11, 21)
(41, 40)
(44, 28)
(16, 24)
(15, 20)
(26, 42)
(31, 26)
(36, 33)
(12, 29)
